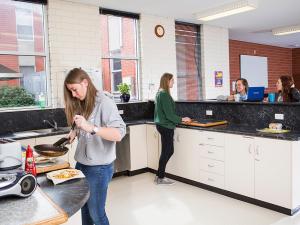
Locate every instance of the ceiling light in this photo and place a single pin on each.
(227, 10)
(286, 30)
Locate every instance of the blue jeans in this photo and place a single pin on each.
(93, 212)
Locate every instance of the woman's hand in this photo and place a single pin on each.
(186, 120)
(71, 136)
(230, 98)
(83, 124)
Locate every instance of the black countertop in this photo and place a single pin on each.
(241, 129)
(70, 195)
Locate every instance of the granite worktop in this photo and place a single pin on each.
(232, 128)
(70, 195)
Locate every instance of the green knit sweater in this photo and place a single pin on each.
(164, 112)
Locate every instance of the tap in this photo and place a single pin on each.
(54, 125)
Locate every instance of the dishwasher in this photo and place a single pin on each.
(122, 162)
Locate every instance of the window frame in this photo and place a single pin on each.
(28, 53)
(137, 58)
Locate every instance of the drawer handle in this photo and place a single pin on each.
(210, 166)
(210, 152)
(201, 144)
(210, 179)
(210, 138)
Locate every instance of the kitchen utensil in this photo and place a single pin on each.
(204, 123)
(273, 131)
(55, 150)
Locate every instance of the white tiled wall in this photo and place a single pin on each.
(214, 57)
(74, 41)
(158, 55)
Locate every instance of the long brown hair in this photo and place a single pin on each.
(244, 82)
(164, 82)
(287, 82)
(73, 105)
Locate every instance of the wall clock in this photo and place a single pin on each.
(159, 31)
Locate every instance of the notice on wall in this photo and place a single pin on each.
(218, 78)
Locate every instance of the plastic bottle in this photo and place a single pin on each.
(29, 162)
(42, 100)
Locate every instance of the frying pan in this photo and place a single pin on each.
(55, 150)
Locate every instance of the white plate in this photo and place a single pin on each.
(63, 175)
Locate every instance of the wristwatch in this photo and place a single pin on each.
(95, 130)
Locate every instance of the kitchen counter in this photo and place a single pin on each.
(70, 195)
(241, 129)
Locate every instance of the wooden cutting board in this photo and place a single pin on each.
(47, 167)
(206, 124)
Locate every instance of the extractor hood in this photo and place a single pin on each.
(7, 73)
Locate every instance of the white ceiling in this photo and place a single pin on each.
(253, 26)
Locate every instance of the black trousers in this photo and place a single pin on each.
(167, 149)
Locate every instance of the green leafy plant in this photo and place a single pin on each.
(15, 97)
(123, 88)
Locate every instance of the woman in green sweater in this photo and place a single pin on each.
(166, 119)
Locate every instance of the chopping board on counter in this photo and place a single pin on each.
(206, 123)
(50, 165)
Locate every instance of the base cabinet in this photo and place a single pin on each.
(153, 146)
(259, 168)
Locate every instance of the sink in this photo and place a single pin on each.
(51, 130)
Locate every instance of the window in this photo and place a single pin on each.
(22, 54)
(120, 58)
(189, 84)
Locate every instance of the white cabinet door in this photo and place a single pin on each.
(152, 147)
(186, 157)
(52, 140)
(138, 147)
(239, 164)
(273, 171)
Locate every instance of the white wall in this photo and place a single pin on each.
(74, 41)
(158, 55)
(214, 57)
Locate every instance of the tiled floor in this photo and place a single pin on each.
(138, 201)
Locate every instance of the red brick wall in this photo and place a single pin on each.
(296, 66)
(279, 60)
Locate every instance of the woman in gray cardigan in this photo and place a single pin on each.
(99, 126)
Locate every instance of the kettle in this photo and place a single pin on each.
(10, 154)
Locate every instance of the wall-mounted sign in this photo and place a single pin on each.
(218, 78)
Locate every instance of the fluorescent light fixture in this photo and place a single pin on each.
(227, 10)
(286, 30)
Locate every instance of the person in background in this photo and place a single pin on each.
(99, 126)
(286, 91)
(241, 90)
(166, 119)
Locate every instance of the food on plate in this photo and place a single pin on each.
(275, 126)
(66, 174)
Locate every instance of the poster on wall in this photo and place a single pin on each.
(218, 78)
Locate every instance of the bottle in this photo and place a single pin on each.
(42, 100)
(29, 161)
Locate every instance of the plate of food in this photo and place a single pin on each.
(63, 175)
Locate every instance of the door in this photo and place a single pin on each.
(138, 147)
(239, 164)
(273, 171)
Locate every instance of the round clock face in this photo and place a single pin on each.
(159, 30)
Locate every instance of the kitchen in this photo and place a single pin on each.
(220, 42)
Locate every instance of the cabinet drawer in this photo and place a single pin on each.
(212, 152)
(212, 179)
(213, 138)
(212, 166)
